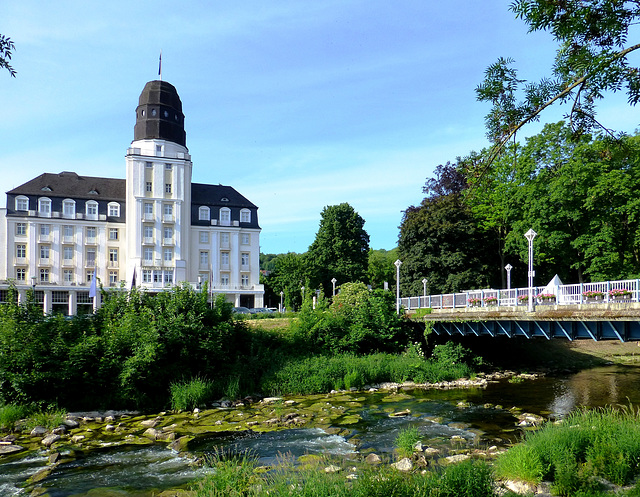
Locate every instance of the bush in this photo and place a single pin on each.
(406, 441)
(10, 414)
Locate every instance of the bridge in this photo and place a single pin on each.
(599, 311)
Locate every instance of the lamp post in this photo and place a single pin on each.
(398, 263)
(281, 296)
(508, 267)
(424, 289)
(530, 235)
(199, 282)
(34, 282)
(333, 282)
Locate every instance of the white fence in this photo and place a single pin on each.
(582, 293)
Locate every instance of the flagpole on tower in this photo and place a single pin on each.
(160, 65)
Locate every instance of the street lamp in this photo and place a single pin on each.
(530, 235)
(508, 267)
(333, 282)
(398, 263)
(424, 289)
(281, 296)
(199, 282)
(34, 282)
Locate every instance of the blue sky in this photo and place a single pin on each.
(297, 104)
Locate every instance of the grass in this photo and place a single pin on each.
(406, 441)
(10, 414)
(242, 476)
(586, 446)
(49, 419)
(188, 395)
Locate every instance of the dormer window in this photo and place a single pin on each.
(203, 213)
(22, 203)
(44, 207)
(245, 216)
(225, 216)
(45, 189)
(114, 209)
(224, 199)
(91, 209)
(69, 208)
(93, 192)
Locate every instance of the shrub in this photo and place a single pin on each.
(10, 414)
(50, 419)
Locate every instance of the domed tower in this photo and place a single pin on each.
(158, 190)
(159, 114)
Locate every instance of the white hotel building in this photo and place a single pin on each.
(156, 224)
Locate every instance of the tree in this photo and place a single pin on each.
(441, 240)
(592, 58)
(380, 267)
(6, 48)
(288, 276)
(340, 249)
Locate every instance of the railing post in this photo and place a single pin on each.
(638, 290)
(466, 299)
(482, 297)
(581, 292)
(429, 301)
(608, 289)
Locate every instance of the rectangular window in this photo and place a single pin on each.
(21, 229)
(113, 277)
(21, 274)
(148, 164)
(91, 233)
(168, 209)
(148, 254)
(113, 257)
(168, 255)
(148, 231)
(203, 213)
(224, 259)
(146, 275)
(21, 251)
(168, 277)
(69, 208)
(204, 258)
(168, 233)
(92, 209)
(204, 237)
(113, 233)
(148, 208)
(245, 216)
(245, 240)
(224, 239)
(45, 229)
(22, 204)
(114, 210)
(44, 275)
(149, 187)
(225, 216)
(91, 257)
(167, 187)
(168, 167)
(44, 251)
(67, 253)
(224, 279)
(245, 280)
(68, 275)
(244, 259)
(67, 231)
(158, 149)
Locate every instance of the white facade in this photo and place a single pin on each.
(60, 229)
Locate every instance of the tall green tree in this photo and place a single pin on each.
(288, 276)
(441, 240)
(380, 268)
(593, 58)
(340, 249)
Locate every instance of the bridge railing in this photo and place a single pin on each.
(595, 293)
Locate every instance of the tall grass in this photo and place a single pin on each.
(50, 419)
(587, 445)
(406, 441)
(187, 395)
(241, 476)
(10, 414)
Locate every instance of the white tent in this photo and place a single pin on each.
(552, 287)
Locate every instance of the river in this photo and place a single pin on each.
(477, 417)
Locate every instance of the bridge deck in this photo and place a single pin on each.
(611, 322)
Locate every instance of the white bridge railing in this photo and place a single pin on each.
(581, 293)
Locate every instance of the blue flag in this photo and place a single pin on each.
(93, 290)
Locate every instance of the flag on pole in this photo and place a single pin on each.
(133, 279)
(160, 66)
(211, 283)
(93, 289)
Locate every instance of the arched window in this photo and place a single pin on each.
(114, 209)
(69, 208)
(245, 216)
(204, 214)
(44, 207)
(225, 216)
(91, 209)
(22, 203)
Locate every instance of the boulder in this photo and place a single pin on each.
(50, 440)
(403, 464)
(373, 459)
(10, 449)
(457, 458)
(332, 469)
(39, 431)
